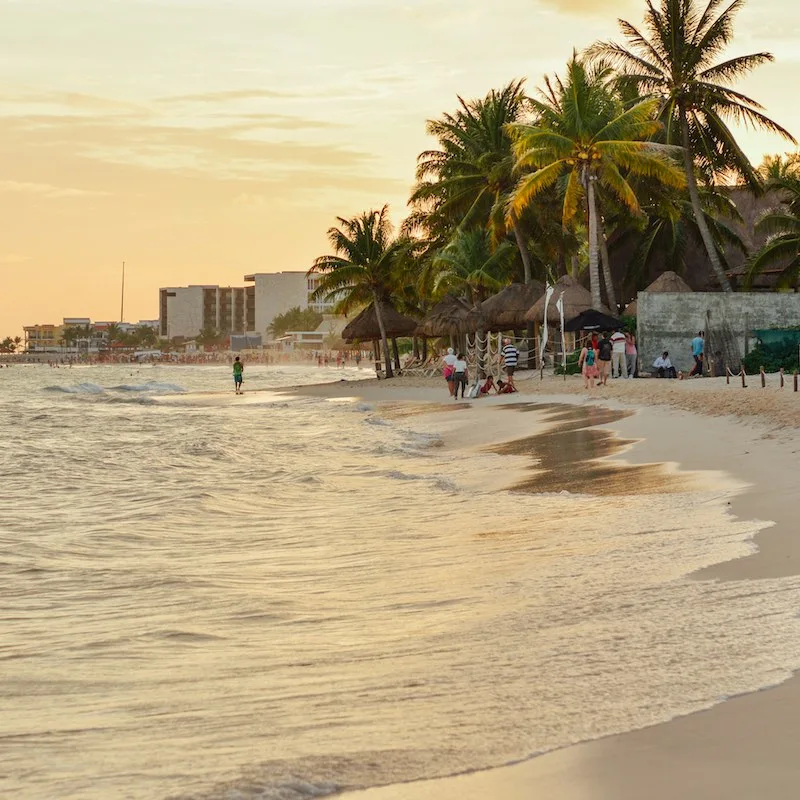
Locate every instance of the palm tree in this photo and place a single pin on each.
(584, 138)
(470, 266)
(465, 183)
(782, 249)
(675, 61)
(360, 271)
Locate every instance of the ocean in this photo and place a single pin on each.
(285, 596)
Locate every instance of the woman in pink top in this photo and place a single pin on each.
(630, 353)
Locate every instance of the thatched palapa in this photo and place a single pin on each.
(666, 282)
(452, 316)
(365, 328)
(505, 311)
(576, 300)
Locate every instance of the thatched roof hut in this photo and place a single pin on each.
(505, 311)
(365, 328)
(576, 300)
(668, 281)
(452, 316)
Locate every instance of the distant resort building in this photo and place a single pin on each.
(76, 335)
(236, 311)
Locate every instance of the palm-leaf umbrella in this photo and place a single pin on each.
(576, 300)
(505, 311)
(666, 282)
(365, 328)
(452, 316)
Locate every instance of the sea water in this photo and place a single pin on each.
(275, 596)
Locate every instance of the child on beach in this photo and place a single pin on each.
(238, 375)
(587, 361)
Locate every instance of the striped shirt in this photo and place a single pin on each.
(510, 355)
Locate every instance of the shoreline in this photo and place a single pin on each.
(702, 755)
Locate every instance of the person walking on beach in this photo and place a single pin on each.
(587, 362)
(509, 356)
(604, 350)
(630, 353)
(449, 369)
(460, 375)
(238, 375)
(698, 352)
(619, 366)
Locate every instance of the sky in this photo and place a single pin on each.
(202, 140)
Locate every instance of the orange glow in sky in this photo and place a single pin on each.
(200, 140)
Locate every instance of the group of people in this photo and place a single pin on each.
(663, 365)
(456, 372)
(607, 355)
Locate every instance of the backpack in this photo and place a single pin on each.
(590, 357)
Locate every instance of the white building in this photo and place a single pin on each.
(273, 293)
(187, 310)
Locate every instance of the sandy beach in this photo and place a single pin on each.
(742, 748)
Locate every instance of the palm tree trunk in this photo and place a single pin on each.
(611, 295)
(524, 254)
(387, 361)
(697, 208)
(526, 265)
(424, 348)
(395, 353)
(594, 267)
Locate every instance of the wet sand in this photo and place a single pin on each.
(742, 749)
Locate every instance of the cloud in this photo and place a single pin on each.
(229, 96)
(48, 190)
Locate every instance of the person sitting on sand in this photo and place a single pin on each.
(663, 366)
(487, 387)
(504, 387)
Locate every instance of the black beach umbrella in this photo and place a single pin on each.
(592, 320)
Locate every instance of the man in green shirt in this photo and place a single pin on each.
(238, 375)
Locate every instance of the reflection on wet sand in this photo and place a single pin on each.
(569, 455)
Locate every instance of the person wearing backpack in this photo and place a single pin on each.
(603, 360)
(587, 361)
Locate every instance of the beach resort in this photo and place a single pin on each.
(454, 453)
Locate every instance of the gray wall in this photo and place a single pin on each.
(670, 321)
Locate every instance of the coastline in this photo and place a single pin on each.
(740, 748)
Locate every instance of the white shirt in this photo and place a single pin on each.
(618, 342)
(460, 366)
(662, 362)
(450, 359)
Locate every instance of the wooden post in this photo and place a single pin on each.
(744, 379)
(763, 377)
(795, 380)
(728, 375)
(781, 374)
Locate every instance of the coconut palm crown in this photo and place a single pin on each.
(360, 271)
(584, 137)
(675, 59)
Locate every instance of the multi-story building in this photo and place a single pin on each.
(187, 310)
(320, 305)
(43, 338)
(273, 293)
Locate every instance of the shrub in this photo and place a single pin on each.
(772, 357)
(572, 364)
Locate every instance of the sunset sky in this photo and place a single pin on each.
(200, 140)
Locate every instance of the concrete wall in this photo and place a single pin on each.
(184, 311)
(670, 321)
(276, 293)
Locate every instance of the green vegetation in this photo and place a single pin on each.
(295, 319)
(772, 357)
(10, 344)
(628, 156)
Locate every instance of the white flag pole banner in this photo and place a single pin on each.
(543, 338)
(560, 307)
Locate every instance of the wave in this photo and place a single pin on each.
(80, 388)
(150, 387)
